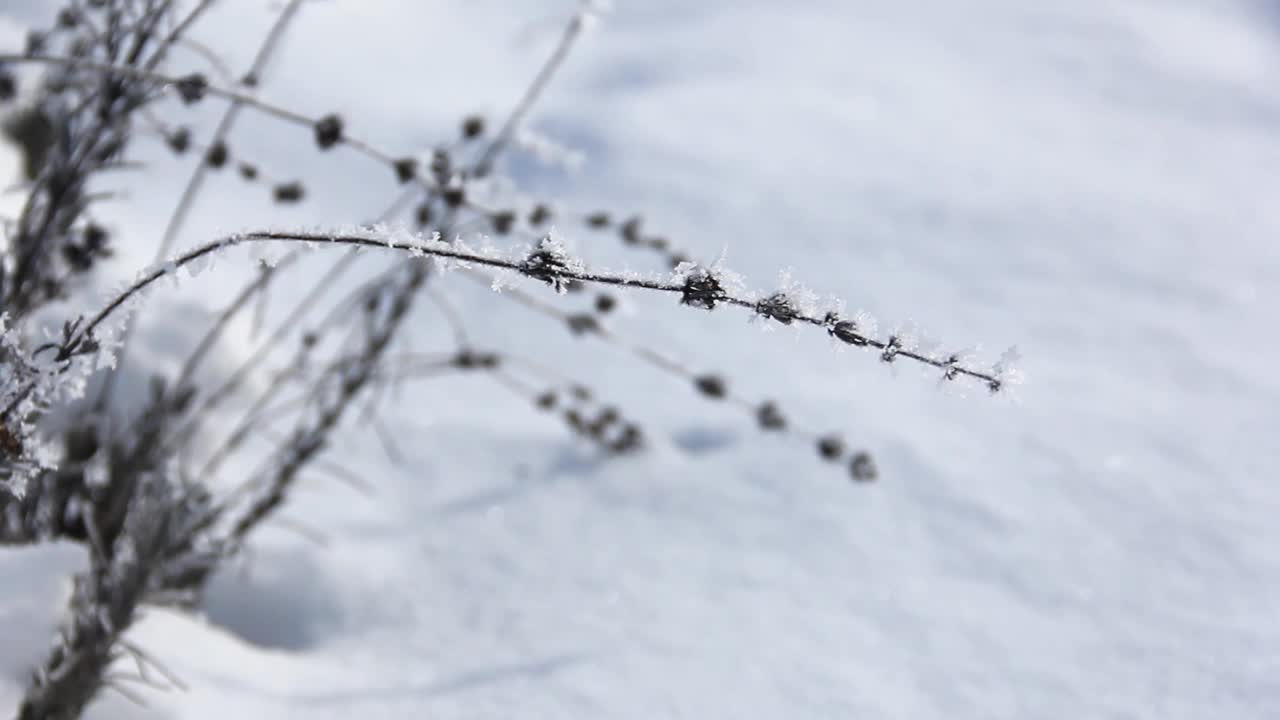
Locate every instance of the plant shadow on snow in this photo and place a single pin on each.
(701, 440)
(570, 462)
(280, 600)
(528, 670)
(575, 462)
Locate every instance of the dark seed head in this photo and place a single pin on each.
(95, 237)
(8, 85)
(830, 447)
(248, 171)
(328, 131)
(702, 290)
(770, 418)
(179, 140)
(454, 196)
(423, 215)
(288, 193)
(192, 88)
(778, 306)
(35, 42)
(545, 401)
(844, 330)
(406, 169)
(582, 323)
(441, 166)
(217, 154)
(891, 348)
(713, 386)
(628, 440)
(605, 303)
(862, 467)
(502, 221)
(598, 220)
(630, 231)
(540, 214)
(472, 127)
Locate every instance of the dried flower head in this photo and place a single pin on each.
(328, 131)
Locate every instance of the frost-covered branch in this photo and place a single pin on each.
(699, 287)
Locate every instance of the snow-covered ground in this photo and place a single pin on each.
(1093, 180)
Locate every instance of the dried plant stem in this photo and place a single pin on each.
(540, 82)
(556, 275)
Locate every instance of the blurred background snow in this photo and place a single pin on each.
(1093, 180)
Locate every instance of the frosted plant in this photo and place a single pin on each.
(136, 492)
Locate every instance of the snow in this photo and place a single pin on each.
(1089, 179)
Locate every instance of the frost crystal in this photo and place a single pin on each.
(1006, 370)
(550, 263)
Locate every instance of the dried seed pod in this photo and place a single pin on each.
(328, 131)
(96, 237)
(582, 323)
(779, 307)
(545, 401)
(598, 220)
(288, 193)
(830, 447)
(769, 417)
(548, 263)
(441, 166)
(406, 169)
(192, 88)
(8, 85)
(845, 331)
(702, 289)
(502, 221)
(472, 127)
(891, 348)
(248, 171)
(454, 196)
(713, 386)
(35, 42)
(179, 141)
(628, 440)
(952, 370)
(540, 214)
(423, 215)
(608, 415)
(862, 467)
(217, 154)
(630, 231)
(605, 303)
